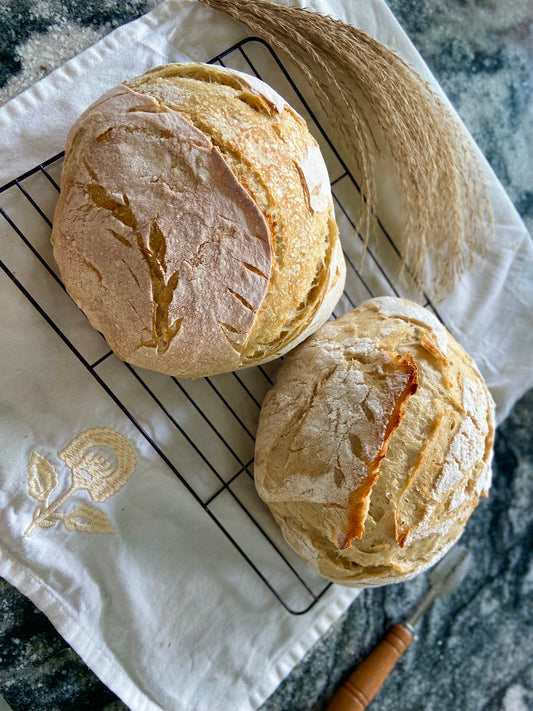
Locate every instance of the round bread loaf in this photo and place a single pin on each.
(375, 444)
(195, 225)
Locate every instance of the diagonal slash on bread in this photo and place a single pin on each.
(359, 500)
(339, 434)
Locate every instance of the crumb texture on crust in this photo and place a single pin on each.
(375, 444)
(195, 224)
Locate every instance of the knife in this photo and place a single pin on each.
(365, 681)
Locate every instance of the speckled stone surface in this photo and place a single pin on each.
(482, 55)
(473, 650)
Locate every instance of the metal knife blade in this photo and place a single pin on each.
(445, 577)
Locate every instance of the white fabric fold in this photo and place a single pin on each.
(164, 608)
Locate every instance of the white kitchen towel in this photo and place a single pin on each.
(103, 467)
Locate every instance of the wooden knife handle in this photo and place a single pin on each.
(366, 680)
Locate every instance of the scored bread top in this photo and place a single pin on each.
(144, 259)
(195, 224)
(339, 407)
(375, 443)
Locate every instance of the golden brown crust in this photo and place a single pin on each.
(195, 226)
(279, 164)
(372, 486)
(359, 500)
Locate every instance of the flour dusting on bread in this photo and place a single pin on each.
(375, 444)
(184, 229)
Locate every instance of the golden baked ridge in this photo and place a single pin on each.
(375, 444)
(195, 225)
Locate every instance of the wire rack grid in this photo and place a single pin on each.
(213, 420)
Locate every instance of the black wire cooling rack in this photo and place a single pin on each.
(212, 419)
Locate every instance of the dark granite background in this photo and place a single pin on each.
(474, 650)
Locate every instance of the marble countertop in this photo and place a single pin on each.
(473, 650)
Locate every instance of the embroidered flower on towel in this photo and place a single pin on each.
(100, 475)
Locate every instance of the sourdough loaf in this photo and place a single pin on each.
(195, 224)
(375, 444)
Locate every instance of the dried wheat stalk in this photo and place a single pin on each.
(370, 95)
